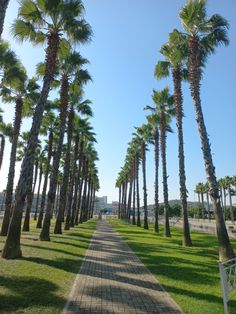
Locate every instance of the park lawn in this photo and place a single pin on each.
(41, 281)
(190, 275)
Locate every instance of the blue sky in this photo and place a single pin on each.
(123, 53)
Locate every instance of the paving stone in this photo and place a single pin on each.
(112, 279)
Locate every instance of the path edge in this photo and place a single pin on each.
(71, 294)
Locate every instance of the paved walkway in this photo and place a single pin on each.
(113, 280)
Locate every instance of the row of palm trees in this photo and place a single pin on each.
(185, 56)
(68, 165)
(227, 186)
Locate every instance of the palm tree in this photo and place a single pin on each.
(154, 121)
(201, 189)
(145, 135)
(15, 87)
(83, 108)
(39, 22)
(204, 35)
(3, 8)
(71, 69)
(175, 53)
(164, 106)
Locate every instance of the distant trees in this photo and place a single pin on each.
(59, 25)
(185, 56)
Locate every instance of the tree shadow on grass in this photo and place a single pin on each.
(68, 265)
(26, 292)
(53, 249)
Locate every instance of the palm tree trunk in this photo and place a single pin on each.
(203, 206)
(134, 191)
(225, 249)
(94, 193)
(208, 206)
(119, 204)
(45, 184)
(3, 8)
(122, 201)
(182, 177)
(75, 201)
(129, 199)
(38, 193)
(45, 231)
(156, 149)
(164, 174)
(64, 187)
(30, 197)
(79, 204)
(83, 202)
(11, 171)
(125, 198)
(145, 223)
(137, 191)
(69, 201)
(2, 148)
(230, 205)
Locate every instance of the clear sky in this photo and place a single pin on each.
(123, 53)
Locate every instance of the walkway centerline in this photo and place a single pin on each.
(113, 280)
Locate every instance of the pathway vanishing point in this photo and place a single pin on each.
(113, 280)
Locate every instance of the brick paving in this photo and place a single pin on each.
(113, 280)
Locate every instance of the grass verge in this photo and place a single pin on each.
(190, 275)
(41, 281)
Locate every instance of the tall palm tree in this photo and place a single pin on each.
(55, 22)
(83, 108)
(154, 121)
(204, 35)
(71, 68)
(200, 189)
(145, 135)
(175, 53)
(165, 107)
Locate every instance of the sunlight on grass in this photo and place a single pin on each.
(190, 275)
(41, 281)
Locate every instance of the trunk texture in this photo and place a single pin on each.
(45, 231)
(145, 223)
(164, 173)
(38, 193)
(156, 152)
(134, 192)
(182, 177)
(2, 148)
(64, 187)
(45, 184)
(137, 191)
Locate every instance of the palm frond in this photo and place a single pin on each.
(162, 69)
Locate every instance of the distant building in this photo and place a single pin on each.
(102, 205)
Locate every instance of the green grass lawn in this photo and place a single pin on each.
(41, 281)
(190, 275)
